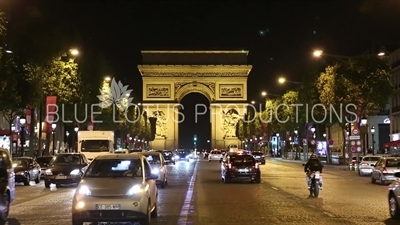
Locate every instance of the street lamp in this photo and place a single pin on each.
(53, 127)
(264, 93)
(76, 129)
(324, 135)
(67, 133)
(373, 139)
(281, 80)
(107, 79)
(22, 121)
(317, 53)
(74, 52)
(313, 129)
(253, 102)
(364, 120)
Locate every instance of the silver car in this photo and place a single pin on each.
(116, 188)
(158, 164)
(385, 169)
(394, 198)
(367, 164)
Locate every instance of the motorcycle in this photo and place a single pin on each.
(314, 183)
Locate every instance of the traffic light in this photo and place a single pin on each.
(195, 138)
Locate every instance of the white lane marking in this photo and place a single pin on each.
(328, 214)
(184, 216)
(275, 188)
(312, 206)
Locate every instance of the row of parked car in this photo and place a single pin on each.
(383, 169)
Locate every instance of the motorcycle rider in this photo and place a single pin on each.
(311, 166)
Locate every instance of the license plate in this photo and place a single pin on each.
(108, 206)
(243, 170)
(61, 177)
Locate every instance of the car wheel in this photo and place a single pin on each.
(258, 179)
(373, 180)
(47, 184)
(27, 180)
(37, 180)
(394, 209)
(209, 160)
(162, 185)
(381, 181)
(154, 213)
(5, 201)
(147, 219)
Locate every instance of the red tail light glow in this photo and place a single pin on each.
(230, 166)
(384, 170)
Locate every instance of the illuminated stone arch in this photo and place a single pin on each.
(194, 88)
(168, 76)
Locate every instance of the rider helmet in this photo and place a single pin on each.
(313, 156)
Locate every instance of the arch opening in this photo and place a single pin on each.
(194, 119)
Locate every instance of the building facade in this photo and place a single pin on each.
(394, 59)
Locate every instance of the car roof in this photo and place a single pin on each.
(70, 153)
(119, 156)
(22, 157)
(148, 153)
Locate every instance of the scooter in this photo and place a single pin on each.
(315, 183)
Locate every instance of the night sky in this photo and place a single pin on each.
(280, 35)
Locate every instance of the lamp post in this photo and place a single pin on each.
(11, 138)
(373, 139)
(313, 131)
(22, 121)
(278, 145)
(76, 129)
(67, 133)
(294, 138)
(53, 127)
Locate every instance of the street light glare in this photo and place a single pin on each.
(107, 79)
(381, 54)
(317, 53)
(74, 52)
(264, 93)
(253, 102)
(127, 95)
(281, 80)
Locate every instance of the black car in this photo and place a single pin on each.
(26, 169)
(239, 166)
(169, 156)
(259, 156)
(182, 155)
(44, 163)
(65, 168)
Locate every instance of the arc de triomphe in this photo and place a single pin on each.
(221, 76)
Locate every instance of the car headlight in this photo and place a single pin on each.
(84, 190)
(48, 172)
(187, 157)
(155, 171)
(75, 172)
(20, 173)
(176, 157)
(137, 189)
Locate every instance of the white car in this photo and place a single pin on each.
(394, 198)
(159, 167)
(385, 169)
(367, 164)
(116, 188)
(215, 155)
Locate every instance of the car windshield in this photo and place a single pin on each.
(95, 145)
(392, 163)
(43, 160)
(242, 159)
(181, 153)
(168, 154)
(66, 159)
(20, 162)
(371, 159)
(153, 159)
(115, 168)
(216, 152)
(257, 153)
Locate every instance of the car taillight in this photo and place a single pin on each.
(230, 166)
(263, 156)
(384, 170)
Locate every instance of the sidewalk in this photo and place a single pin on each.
(341, 167)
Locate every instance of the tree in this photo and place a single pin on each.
(3, 23)
(364, 81)
(13, 96)
(270, 114)
(240, 130)
(289, 111)
(254, 126)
